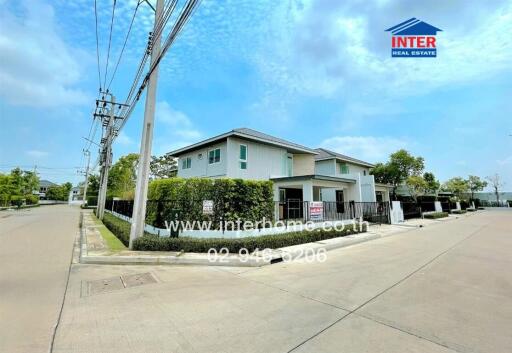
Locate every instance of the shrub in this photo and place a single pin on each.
(32, 199)
(17, 200)
(120, 228)
(435, 215)
(188, 244)
(458, 211)
(233, 199)
(92, 200)
(471, 209)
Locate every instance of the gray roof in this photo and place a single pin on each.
(248, 134)
(44, 182)
(324, 154)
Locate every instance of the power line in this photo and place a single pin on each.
(97, 44)
(110, 39)
(124, 44)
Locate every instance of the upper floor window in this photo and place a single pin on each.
(243, 157)
(364, 172)
(214, 156)
(186, 163)
(344, 168)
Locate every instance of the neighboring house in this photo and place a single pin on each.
(75, 194)
(44, 185)
(298, 173)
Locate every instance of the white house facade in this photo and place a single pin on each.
(298, 173)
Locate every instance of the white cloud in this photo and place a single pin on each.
(124, 139)
(179, 123)
(505, 161)
(328, 49)
(176, 129)
(37, 153)
(367, 148)
(38, 68)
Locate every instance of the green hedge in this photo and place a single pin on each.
(149, 242)
(31, 199)
(435, 215)
(92, 200)
(119, 227)
(233, 199)
(458, 211)
(202, 245)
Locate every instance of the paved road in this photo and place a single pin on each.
(443, 288)
(35, 252)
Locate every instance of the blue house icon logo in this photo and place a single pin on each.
(413, 39)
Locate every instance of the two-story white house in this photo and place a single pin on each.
(298, 173)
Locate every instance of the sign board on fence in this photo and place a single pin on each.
(207, 206)
(316, 210)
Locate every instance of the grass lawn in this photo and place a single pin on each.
(113, 243)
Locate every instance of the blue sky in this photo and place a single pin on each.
(314, 72)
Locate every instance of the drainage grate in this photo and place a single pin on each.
(117, 283)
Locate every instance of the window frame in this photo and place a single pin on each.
(186, 163)
(241, 160)
(347, 170)
(213, 150)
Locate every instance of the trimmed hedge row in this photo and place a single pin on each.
(233, 199)
(458, 211)
(202, 245)
(435, 215)
(149, 242)
(120, 228)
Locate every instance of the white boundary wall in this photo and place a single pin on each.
(241, 233)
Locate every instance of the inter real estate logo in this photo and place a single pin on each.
(413, 39)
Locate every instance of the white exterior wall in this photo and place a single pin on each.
(303, 164)
(368, 188)
(325, 167)
(263, 161)
(199, 166)
(352, 168)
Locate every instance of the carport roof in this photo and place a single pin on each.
(324, 154)
(314, 177)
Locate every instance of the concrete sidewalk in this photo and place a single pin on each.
(442, 288)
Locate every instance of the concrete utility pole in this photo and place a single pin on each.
(84, 198)
(141, 190)
(107, 159)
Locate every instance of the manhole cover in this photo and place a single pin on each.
(104, 285)
(117, 283)
(138, 279)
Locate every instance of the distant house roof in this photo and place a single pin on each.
(413, 26)
(46, 183)
(248, 134)
(324, 154)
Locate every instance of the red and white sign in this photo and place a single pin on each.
(316, 210)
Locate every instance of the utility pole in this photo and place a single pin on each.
(141, 189)
(106, 156)
(84, 198)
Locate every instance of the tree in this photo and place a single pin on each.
(458, 186)
(59, 192)
(401, 165)
(416, 185)
(433, 184)
(163, 167)
(122, 176)
(93, 186)
(496, 184)
(475, 184)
